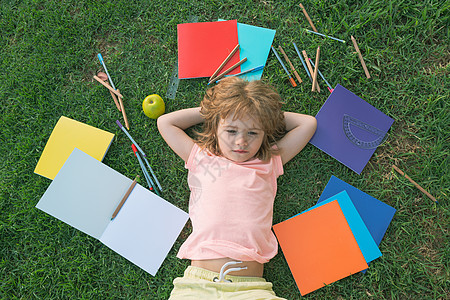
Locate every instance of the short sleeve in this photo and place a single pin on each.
(190, 162)
(277, 165)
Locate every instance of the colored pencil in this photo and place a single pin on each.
(310, 67)
(314, 84)
(308, 18)
(228, 70)
(141, 164)
(153, 174)
(130, 189)
(108, 86)
(327, 36)
(245, 72)
(321, 75)
(129, 136)
(303, 62)
(122, 108)
(140, 151)
(360, 57)
(224, 62)
(415, 183)
(291, 80)
(290, 64)
(100, 57)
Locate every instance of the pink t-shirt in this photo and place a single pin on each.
(231, 207)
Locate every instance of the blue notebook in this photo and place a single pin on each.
(376, 215)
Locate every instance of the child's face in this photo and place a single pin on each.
(240, 139)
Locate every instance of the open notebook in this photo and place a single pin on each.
(85, 193)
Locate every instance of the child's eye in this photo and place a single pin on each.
(252, 133)
(231, 131)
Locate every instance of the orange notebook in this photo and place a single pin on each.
(319, 247)
(203, 46)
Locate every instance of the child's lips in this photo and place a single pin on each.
(240, 151)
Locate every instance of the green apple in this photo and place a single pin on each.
(153, 106)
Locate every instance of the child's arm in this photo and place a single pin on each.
(172, 126)
(300, 130)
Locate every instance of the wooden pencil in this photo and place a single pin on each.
(415, 183)
(130, 189)
(224, 62)
(122, 109)
(228, 70)
(308, 18)
(360, 57)
(290, 64)
(104, 77)
(311, 71)
(316, 67)
(115, 100)
(108, 86)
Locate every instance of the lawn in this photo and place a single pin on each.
(48, 58)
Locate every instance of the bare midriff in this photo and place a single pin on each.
(254, 268)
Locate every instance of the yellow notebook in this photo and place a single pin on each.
(67, 135)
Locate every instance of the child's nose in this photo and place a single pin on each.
(242, 140)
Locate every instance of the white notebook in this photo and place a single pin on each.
(85, 193)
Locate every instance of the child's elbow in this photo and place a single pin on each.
(161, 123)
(312, 123)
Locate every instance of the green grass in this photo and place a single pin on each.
(48, 57)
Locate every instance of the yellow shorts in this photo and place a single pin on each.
(198, 283)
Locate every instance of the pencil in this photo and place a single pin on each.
(308, 18)
(125, 197)
(290, 64)
(360, 57)
(303, 62)
(224, 62)
(321, 75)
(228, 70)
(100, 57)
(291, 80)
(104, 77)
(309, 67)
(140, 151)
(108, 86)
(316, 67)
(415, 183)
(122, 109)
(153, 174)
(141, 164)
(129, 136)
(327, 36)
(247, 71)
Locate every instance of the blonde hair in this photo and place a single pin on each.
(241, 98)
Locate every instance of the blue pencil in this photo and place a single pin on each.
(320, 73)
(100, 57)
(327, 36)
(141, 164)
(247, 71)
(303, 62)
(129, 136)
(291, 80)
(141, 151)
(153, 174)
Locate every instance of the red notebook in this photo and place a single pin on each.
(319, 247)
(202, 47)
